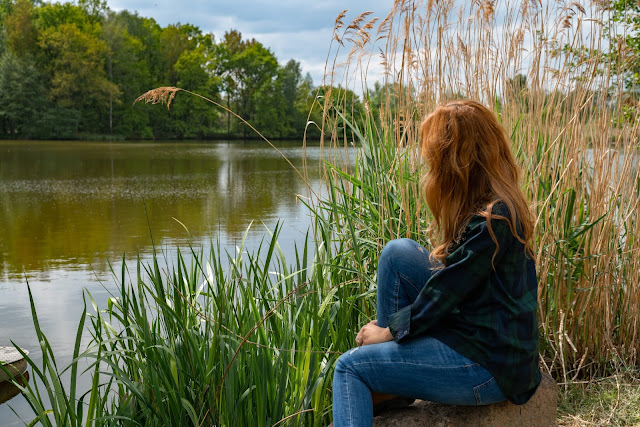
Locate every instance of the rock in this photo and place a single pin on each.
(9, 391)
(14, 364)
(12, 361)
(539, 411)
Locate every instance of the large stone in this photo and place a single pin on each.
(539, 411)
(13, 362)
(13, 367)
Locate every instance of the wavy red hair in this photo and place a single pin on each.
(470, 169)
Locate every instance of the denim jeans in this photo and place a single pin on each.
(421, 367)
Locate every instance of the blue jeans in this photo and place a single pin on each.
(421, 367)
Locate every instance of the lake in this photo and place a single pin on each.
(68, 209)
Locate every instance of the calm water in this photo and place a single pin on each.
(68, 208)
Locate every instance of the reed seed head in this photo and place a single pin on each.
(162, 95)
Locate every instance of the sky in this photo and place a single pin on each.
(292, 29)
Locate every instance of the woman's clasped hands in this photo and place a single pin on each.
(371, 333)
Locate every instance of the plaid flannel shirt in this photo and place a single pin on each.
(487, 315)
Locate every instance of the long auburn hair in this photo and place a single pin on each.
(470, 169)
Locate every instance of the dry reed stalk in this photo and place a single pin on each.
(581, 171)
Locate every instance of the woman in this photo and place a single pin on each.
(459, 325)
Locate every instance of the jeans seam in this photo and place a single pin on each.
(478, 388)
(395, 362)
(349, 394)
(396, 290)
(396, 285)
(409, 281)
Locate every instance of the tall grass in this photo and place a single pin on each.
(542, 67)
(220, 339)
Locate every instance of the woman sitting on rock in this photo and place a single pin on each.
(457, 325)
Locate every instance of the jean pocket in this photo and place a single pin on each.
(488, 392)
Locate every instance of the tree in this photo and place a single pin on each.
(174, 41)
(21, 95)
(621, 62)
(126, 68)
(5, 8)
(94, 8)
(292, 84)
(256, 67)
(3, 40)
(20, 30)
(56, 14)
(625, 51)
(74, 66)
(223, 56)
(194, 117)
(84, 65)
(270, 117)
(383, 100)
(333, 107)
(245, 68)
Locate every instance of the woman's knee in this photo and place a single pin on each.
(343, 365)
(354, 356)
(399, 249)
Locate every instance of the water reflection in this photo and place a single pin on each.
(77, 204)
(8, 391)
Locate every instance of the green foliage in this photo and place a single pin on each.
(20, 29)
(336, 111)
(279, 112)
(75, 68)
(20, 95)
(622, 30)
(127, 66)
(93, 63)
(626, 13)
(192, 117)
(248, 71)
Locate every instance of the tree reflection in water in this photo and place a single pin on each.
(75, 204)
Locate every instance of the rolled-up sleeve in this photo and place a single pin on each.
(467, 268)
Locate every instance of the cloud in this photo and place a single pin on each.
(254, 15)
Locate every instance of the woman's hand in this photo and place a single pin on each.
(371, 333)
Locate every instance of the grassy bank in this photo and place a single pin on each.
(609, 401)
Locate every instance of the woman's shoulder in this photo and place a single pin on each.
(498, 212)
(488, 231)
(493, 221)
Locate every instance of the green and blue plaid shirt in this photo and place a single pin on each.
(484, 314)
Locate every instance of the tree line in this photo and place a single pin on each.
(72, 70)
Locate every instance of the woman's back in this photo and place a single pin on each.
(496, 323)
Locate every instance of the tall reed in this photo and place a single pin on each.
(217, 339)
(542, 67)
